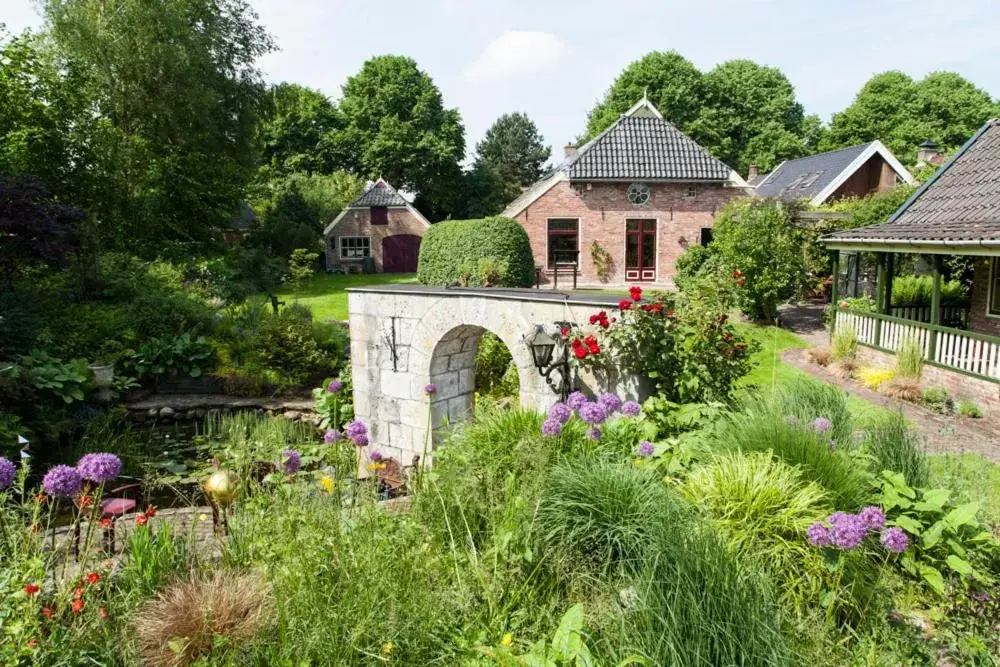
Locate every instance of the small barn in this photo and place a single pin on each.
(379, 231)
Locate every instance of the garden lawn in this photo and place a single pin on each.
(327, 296)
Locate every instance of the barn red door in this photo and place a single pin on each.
(400, 253)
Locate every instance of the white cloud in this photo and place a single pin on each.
(517, 52)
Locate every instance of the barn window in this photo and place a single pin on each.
(355, 247)
(380, 215)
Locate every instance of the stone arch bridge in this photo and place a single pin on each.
(404, 337)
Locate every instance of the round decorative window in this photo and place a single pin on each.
(638, 193)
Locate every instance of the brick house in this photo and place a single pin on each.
(638, 194)
(955, 212)
(379, 229)
(855, 171)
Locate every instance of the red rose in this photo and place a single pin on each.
(648, 307)
(564, 332)
(580, 352)
(576, 343)
(624, 305)
(31, 589)
(635, 292)
(657, 308)
(594, 319)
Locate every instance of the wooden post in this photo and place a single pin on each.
(879, 296)
(890, 270)
(935, 306)
(835, 291)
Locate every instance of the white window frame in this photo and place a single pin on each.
(354, 258)
(990, 288)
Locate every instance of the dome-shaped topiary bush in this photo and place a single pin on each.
(492, 252)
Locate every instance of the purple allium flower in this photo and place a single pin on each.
(99, 468)
(8, 471)
(594, 433)
(819, 535)
(335, 386)
(376, 456)
(610, 403)
(873, 517)
(431, 389)
(62, 481)
(631, 408)
(560, 412)
(848, 531)
(821, 424)
(358, 432)
(291, 461)
(645, 448)
(592, 413)
(552, 427)
(332, 436)
(576, 400)
(895, 540)
(792, 420)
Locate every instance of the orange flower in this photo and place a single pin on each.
(46, 612)
(151, 511)
(141, 520)
(93, 578)
(31, 589)
(77, 606)
(85, 501)
(102, 612)
(105, 522)
(41, 497)
(78, 593)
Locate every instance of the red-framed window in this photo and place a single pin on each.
(563, 241)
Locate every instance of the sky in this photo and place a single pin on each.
(553, 59)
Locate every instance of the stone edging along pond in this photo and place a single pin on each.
(170, 408)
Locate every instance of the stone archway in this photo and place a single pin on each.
(404, 337)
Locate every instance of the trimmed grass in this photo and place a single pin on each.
(326, 294)
(973, 479)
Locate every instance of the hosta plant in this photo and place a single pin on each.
(949, 542)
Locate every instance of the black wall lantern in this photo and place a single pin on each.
(550, 356)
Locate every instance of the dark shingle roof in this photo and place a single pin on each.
(379, 194)
(806, 177)
(960, 203)
(645, 148)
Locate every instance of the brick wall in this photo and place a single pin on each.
(978, 300)
(603, 209)
(959, 385)
(357, 223)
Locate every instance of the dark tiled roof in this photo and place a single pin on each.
(806, 177)
(645, 148)
(379, 194)
(960, 203)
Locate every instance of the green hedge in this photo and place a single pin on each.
(493, 251)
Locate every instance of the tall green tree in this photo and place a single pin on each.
(902, 112)
(175, 89)
(394, 125)
(515, 151)
(294, 128)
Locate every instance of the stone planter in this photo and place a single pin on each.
(104, 375)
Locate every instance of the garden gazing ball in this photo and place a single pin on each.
(220, 487)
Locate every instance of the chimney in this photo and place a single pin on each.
(752, 172)
(569, 150)
(929, 153)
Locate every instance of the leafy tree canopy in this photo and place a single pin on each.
(394, 125)
(33, 226)
(902, 113)
(174, 89)
(514, 150)
(740, 111)
(293, 130)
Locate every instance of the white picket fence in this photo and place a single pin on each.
(954, 348)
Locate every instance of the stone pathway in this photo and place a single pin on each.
(806, 321)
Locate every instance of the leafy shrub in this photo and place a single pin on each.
(448, 246)
(873, 378)
(179, 356)
(949, 540)
(758, 238)
(909, 359)
(894, 446)
(844, 344)
(603, 263)
(939, 400)
(695, 263)
(918, 290)
(66, 381)
(492, 361)
(968, 408)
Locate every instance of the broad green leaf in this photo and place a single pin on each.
(933, 500)
(909, 524)
(959, 565)
(956, 548)
(932, 536)
(534, 661)
(933, 578)
(961, 515)
(566, 641)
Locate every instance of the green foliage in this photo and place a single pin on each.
(758, 239)
(514, 151)
(969, 408)
(492, 363)
(334, 407)
(293, 130)
(910, 359)
(449, 248)
(939, 400)
(697, 262)
(894, 446)
(917, 290)
(948, 541)
(871, 210)
(67, 381)
(902, 113)
(171, 357)
(602, 261)
(301, 267)
(844, 344)
(567, 648)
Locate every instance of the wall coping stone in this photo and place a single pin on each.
(502, 293)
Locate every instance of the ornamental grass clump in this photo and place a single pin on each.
(873, 378)
(844, 344)
(194, 620)
(909, 359)
(893, 445)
